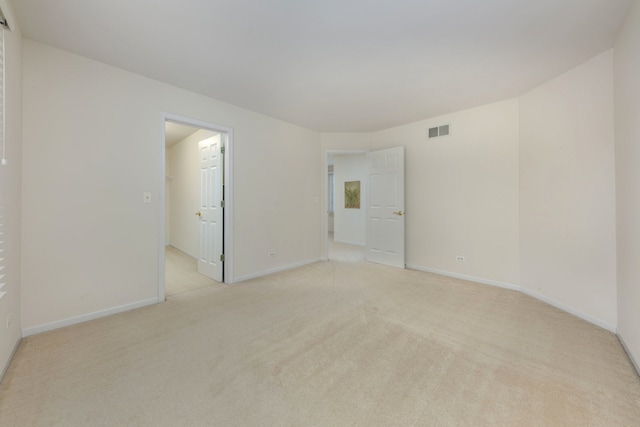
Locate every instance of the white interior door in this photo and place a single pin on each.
(210, 211)
(385, 207)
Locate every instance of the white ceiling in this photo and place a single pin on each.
(335, 65)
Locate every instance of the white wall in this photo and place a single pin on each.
(627, 127)
(93, 146)
(349, 224)
(183, 162)
(461, 192)
(567, 191)
(10, 178)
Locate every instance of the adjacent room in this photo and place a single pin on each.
(346, 222)
(320, 213)
(193, 191)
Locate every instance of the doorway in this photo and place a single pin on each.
(196, 210)
(344, 237)
(377, 219)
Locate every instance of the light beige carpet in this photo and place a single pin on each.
(181, 273)
(329, 344)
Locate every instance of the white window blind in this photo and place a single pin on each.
(4, 26)
(3, 218)
(3, 229)
(3, 172)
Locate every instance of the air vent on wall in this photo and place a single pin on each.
(437, 131)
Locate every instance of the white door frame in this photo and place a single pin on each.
(324, 228)
(228, 195)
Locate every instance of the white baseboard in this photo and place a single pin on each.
(464, 277)
(604, 325)
(349, 243)
(275, 270)
(183, 252)
(601, 323)
(634, 362)
(86, 317)
(13, 353)
(150, 301)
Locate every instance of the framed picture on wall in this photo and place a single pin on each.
(352, 195)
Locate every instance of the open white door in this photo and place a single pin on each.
(385, 207)
(211, 211)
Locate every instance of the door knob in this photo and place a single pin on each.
(399, 213)
(199, 213)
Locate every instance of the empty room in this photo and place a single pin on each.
(388, 213)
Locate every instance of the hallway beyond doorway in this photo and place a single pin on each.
(181, 273)
(344, 252)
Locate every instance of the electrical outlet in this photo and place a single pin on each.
(459, 258)
(146, 197)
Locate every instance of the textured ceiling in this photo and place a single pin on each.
(335, 65)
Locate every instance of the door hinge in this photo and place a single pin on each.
(222, 203)
(222, 257)
(222, 149)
